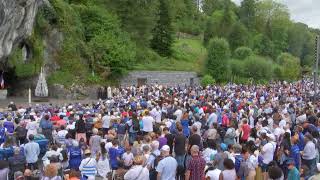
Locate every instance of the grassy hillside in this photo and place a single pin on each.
(189, 55)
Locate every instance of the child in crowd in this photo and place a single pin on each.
(127, 158)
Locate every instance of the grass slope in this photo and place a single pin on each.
(189, 54)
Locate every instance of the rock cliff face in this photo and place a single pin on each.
(16, 23)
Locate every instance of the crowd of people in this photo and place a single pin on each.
(230, 132)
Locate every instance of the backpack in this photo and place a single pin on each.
(135, 125)
(238, 160)
(152, 172)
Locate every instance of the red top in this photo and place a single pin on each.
(246, 132)
(196, 168)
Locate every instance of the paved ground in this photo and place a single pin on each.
(23, 101)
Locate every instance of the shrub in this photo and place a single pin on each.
(242, 52)
(237, 67)
(207, 80)
(290, 66)
(258, 68)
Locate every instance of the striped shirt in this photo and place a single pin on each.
(88, 167)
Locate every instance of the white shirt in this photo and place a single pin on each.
(127, 158)
(213, 174)
(167, 168)
(178, 113)
(147, 123)
(278, 132)
(103, 167)
(106, 121)
(137, 173)
(268, 151)
(207, 153)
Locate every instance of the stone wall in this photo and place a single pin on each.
(169, 78)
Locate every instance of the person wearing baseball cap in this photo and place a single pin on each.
(167, 167)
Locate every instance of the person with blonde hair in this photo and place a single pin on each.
(51, 173)
(137, 172)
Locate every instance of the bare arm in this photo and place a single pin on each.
(187, 174)
(158, 176)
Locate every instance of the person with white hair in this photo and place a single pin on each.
(95, 142)
(154, 154)
(166, 168)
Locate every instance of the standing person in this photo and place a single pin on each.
(106, 122)
(151, 162)
(267, 153)
(309, 153)
(21, 134)
(94, 142)
(75, 156)
(293, 171)
(51, 173)
(245, 130)
(81, 129)
(32, 126)
(61, 135)
(180, 152)
(103, 166)
(169, 137)
(31, 152)
(147, 121)
(88, 165)
(195, 168)
(16, 162)
(194, 139)
(167, 167)
(229, 172)
(46, 127)
(137, 172)
(134, 125)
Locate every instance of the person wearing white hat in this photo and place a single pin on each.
(88, 165)
(166, 168)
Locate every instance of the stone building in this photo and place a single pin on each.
(169, 78)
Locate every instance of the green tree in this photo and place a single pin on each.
(238, 36)
(248, 13)
(219, 24)
(137, 17)
(217, 61)
(209, 6)
(290, 66)
(163, 33)
(263, 45)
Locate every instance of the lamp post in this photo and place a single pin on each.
(316, 65)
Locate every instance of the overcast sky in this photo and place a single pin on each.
(305, 11)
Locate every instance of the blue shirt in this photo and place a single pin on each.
(294, 174)
(32, 151)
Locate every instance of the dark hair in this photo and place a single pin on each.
(211, 144)
(62, 127)
(275, 172)
(31, 137)
(54, 147)
(46, 117)
(228, 164)
(165, 129)
(103, 149)
(4, 164)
